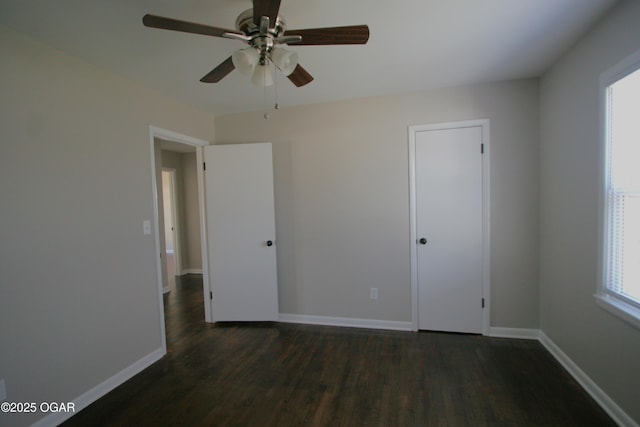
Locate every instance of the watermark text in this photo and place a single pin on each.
(45, 407)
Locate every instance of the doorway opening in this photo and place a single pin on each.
(171, 208)
(179, 224)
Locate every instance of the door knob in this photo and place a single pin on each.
(269, 243)
(423, 241)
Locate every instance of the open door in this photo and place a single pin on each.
(241, 232)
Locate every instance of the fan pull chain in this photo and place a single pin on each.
(266, 114)
(275, 86)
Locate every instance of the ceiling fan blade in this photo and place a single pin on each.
(352, 34)
(219, 72)
(184, 26)
(268, 8)
(300, 76)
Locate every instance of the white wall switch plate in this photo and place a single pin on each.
(146, 226)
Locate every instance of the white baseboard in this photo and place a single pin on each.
(519, 333)
(345, 321)
(191, 271)
(100, 390)
(610, 407)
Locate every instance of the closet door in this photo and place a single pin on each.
(448, 166)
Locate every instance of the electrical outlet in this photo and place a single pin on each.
(373, 293)
(3, 391)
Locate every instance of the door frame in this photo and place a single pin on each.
(486, 241)
(156, 132)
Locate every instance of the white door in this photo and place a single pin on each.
(241, 232)
(448, 167)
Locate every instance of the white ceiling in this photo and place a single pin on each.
(414, 44)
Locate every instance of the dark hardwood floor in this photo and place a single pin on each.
(296, 375)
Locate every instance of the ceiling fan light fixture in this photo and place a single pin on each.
(265, 31)
(245, 60)
(262, 75)
(285, 60)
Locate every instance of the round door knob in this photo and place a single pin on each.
(423, 241)
(269, 243)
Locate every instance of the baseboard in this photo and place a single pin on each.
(191, 271)
(100, 390)
(345, 321)
(610, 407)
(519, 333)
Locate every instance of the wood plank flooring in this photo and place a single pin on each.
(263, 374)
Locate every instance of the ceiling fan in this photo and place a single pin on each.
(265, 32)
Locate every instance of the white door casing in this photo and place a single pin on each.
(159, 133)
(450, 226)
(241, 232)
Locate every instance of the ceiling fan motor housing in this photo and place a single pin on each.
(245, 24)
(262, 40)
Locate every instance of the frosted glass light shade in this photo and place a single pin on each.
(285, 60)
(262, 76)
(245, 60)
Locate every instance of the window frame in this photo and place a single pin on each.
(608, 299)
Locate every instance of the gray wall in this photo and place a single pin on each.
(342, 198)
(78, 287)
(603, 346)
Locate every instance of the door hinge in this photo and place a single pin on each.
(482, 302)
(210, 295)
(481, 148)
(204, 166)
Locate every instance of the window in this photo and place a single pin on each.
(620, 264)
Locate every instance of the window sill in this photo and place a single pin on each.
(620, 309)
